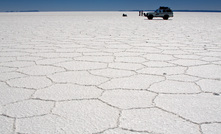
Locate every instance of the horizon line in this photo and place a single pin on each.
(135, 10)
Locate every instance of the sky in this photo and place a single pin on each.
(107, 5)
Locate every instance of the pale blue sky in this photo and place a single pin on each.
(107, 5)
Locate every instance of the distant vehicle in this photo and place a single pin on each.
(164, 12)
(124, 15)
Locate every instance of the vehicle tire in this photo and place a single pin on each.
(165, 17)
(150, 17)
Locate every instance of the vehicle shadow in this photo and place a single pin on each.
(159, 20)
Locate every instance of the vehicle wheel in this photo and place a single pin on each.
(165, 17)
(150, 17)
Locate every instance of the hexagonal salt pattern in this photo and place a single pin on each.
(28, 108)
(104, 59)
(130, 59)
(133, 82)
(163, 70)
(10, 95)
(96, 72)
(197, 108)
(210, 85)
(82, 65)
(206, 71)
(40, 70)
(175, 87)
(158, 64)
(159, 57)
(80, 77)
(185, 62)
(52, 61)
(120, 98)
(154, 120)
(125, 66)
(10, 75)
(87, 116)
(112, 73)
(183, 78)
(33, 82)
(67, 92)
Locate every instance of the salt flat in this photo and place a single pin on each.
(101, 73)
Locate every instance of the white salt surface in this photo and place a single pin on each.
(99, 72)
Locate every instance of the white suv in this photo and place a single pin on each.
(164, 12)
